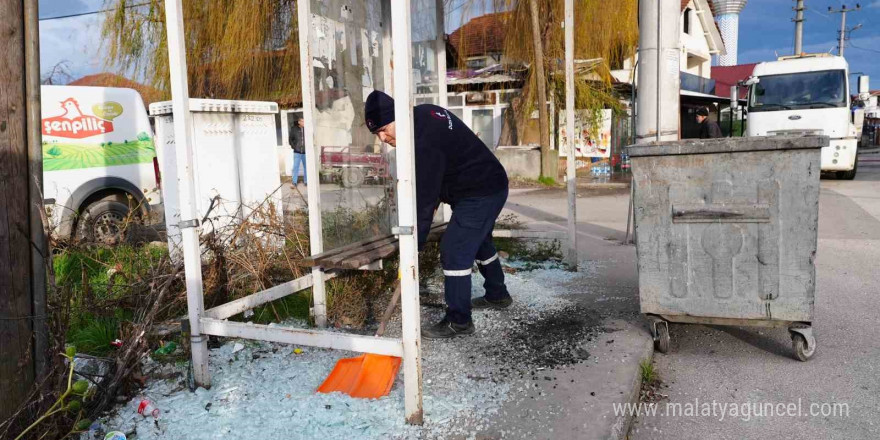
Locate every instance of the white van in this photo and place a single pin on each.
(99, 160)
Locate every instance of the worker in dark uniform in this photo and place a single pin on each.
(455, 167)
(708, 129)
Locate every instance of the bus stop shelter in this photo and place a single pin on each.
(347, 49)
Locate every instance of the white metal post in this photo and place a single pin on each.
(406, 193)
(313, 157)
(188, 225)
(443, 101)
(571, 172)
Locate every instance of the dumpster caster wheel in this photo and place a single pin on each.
(802, 341)
(661, 336)
(801, 350)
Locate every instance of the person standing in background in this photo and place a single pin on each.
(708, 129)
(297, 139)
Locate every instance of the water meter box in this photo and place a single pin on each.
(726, 229)
(235, 161)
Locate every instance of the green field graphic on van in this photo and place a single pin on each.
(71, 156)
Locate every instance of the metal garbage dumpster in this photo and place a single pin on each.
(726, 233)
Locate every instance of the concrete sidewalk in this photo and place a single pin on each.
(576, 397)
(578, 401)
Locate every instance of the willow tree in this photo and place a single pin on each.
(606, 33)
(235, 49)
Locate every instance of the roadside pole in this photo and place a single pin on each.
(799, 27)
(659, 72)
(39, 230)
(189, 217)
(657, 99)
(571, 171)
(22, 316)
(734, 104)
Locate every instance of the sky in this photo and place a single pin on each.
(766, 30)
(75, 41)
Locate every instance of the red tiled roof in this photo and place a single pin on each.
(727, 76)
(106, 79)
(480, 36)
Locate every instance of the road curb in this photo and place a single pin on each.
(620, 429)
(608, 185)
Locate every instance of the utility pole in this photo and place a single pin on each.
(548, 169)
(799, 28)
(841, 47)
(658, 75)
(23, 344)
(571, 171)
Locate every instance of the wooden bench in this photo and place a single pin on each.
(365, 252)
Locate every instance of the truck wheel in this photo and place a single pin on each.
(851, 174)
(103, 222)
(352, 177)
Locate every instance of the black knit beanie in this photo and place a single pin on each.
(378, 110)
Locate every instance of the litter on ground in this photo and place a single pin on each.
(267, 390)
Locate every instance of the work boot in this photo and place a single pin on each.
(486, 303)
(446, 329)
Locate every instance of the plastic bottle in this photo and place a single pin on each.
(114, 435)
(168, 348)
(147, 409)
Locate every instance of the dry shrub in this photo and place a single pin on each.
(129, 288)
(258, 251)
(263, 250)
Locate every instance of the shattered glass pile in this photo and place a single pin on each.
(265, 390)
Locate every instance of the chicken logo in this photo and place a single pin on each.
(74, 124)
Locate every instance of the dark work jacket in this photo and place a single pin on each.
(297, 139)
(709, 130)
(452, 163)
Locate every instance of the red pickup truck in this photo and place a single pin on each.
(352, 168)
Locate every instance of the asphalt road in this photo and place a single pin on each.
(744, 366)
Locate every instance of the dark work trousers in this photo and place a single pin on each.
(468, 239)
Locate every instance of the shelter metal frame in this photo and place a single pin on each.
(215, 321)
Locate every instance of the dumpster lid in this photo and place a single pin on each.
(216, 105)
(727, 145)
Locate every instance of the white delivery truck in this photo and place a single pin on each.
(807, 95)
(99, 161)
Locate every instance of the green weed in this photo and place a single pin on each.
(293, 306)
(547, 181)
(647, 372)
(95, 336)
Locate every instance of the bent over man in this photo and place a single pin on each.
(455, 167)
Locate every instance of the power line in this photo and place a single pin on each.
(59, 17)
(863, 48)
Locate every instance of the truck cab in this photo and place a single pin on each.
(99, 162)
(807, 95)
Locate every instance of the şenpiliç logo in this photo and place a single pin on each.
(74, 124)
